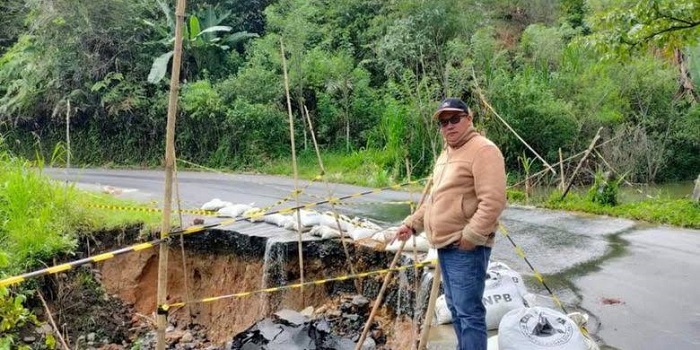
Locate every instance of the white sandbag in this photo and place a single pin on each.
(539, 328)
(505, 270)
(385, 236)
(309, 218)
(292, 226)
(215, 204)
(324, 232)
(358, 233)
(328, 219)
(431, 256)
(233, 210)
(421, 244)
(581, 320)
(442, 313)
(277, 219)
(492, 342)
(501, 295)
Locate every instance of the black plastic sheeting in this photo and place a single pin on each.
(290, 331)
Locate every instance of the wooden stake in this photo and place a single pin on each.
(380, 296)
(161, 315)
(294, 167)
(434, 289)
(580, 163)
(561, 171)
(68, 135)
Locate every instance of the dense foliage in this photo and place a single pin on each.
(370, 72)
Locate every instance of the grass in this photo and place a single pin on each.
(675, 212)
(40, 218)
(367, 168)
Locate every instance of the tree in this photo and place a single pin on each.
(620, 26)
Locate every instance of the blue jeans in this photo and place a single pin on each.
(463, 278)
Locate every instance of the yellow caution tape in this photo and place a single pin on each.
(299, 285)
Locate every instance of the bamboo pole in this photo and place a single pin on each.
(53, 324)
(68, 134)
(483, 100)
(562, 184)
(161, 315)
(294, 167)
(434, 289)
(358, 285)
(380, 296)
(580, 163)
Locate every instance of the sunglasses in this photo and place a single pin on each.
(454, 120)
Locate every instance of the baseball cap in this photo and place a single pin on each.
(451, 104)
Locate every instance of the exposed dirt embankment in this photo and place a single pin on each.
(220, 263)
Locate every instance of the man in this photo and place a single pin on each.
(460, 217)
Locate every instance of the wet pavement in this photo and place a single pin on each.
(638, 281)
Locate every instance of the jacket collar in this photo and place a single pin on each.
(469, 134)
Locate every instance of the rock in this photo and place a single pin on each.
(174, 336)
(360, 301)
(369, 344)
(291, 317)
(29, 339)
(321, 310)
(44, 329)
(187, 338)
(91, 337)
(308, 312)
(346, 307)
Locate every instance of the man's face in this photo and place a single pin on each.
(453, 125)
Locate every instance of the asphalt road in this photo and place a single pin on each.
(638, 281)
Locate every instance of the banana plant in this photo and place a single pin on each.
(197, 42)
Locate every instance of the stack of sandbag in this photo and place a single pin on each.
(501, 295)
(540, 328)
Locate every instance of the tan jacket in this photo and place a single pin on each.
(467, 196)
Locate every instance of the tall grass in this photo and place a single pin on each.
(40, 218)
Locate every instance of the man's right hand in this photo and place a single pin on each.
(403, 233)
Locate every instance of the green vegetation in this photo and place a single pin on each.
(40, 219)
(369, 72)
(676, 212)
